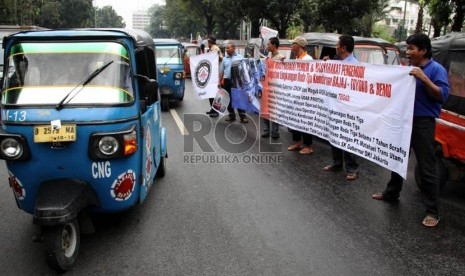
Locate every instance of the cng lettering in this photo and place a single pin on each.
(101, 169)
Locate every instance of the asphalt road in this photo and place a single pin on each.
(278, 215)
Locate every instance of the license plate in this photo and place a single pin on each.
(177, 82)
(45, 133)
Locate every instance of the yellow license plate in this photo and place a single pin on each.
(46, 133)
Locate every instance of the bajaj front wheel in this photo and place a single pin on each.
(165, 104)
(62, 245)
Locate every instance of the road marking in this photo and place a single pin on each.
(179, 122)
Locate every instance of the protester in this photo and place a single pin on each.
(212, 47)
(344, 49)
(225, 74)
(302, 141)
(273, 53)
(432, 90)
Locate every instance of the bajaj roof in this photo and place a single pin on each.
(141, 38)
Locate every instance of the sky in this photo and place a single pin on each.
(125, 8)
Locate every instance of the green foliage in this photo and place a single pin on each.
(157, 26)
(440, 11)
(383, 31)
(107, 17)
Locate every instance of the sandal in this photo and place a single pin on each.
(380, 196)
(332, 168)
(430, 221)
(295, 147)
(306, 150)
(351, 176)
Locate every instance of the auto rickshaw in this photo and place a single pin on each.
(170, 70)
(369, 50)
(189, 50)
(80, 129)
(449, 51)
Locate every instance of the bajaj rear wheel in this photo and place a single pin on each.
(62, 245)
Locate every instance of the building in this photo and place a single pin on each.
(140, 20)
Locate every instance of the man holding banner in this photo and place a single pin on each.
(344, 49)
(432, 90)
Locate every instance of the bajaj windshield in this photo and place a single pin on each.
(44, 73)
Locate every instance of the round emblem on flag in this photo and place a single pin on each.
(202, 73)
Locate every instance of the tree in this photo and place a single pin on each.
(364, 25)
(50, 16)
(338, 15)
(459, 16)
(280, 14)
(253, 11)
(82, 14)
(308, 14)
(157, 26)
(440, 11)
(205, 9)
(107, 17)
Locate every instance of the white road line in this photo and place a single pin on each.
(179, 122)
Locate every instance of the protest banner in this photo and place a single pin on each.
(205, 74)
(361, 108)
(267, 33)
(221, 101)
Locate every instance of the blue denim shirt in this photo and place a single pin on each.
(226, 64)
(425, 106)
(350, 59)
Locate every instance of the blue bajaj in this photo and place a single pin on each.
(81, 130)
(170, 71)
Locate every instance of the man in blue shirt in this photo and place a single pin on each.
(432, 90)
(225, 74)
(344, 48)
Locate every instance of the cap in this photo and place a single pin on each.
(300, 40)
(212, 39)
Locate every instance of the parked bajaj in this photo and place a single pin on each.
(81, 129)
(170, 71)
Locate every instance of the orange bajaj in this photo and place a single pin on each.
(450, 126)
(81, 130)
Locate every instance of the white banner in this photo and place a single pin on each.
(205, 74)
(361, 108)
(267, 33)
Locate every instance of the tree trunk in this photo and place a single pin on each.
(436, 28)
(210, 24)
(255, 31)
(419, 26)
(459, 16)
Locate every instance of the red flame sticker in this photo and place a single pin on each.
(123, 186)
(18, 189)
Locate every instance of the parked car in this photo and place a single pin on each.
(170, 70)
(449, 51)
(189, 50)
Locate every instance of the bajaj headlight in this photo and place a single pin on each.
(11, 148)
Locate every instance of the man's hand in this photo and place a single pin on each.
(325, 58)
(419, 74)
